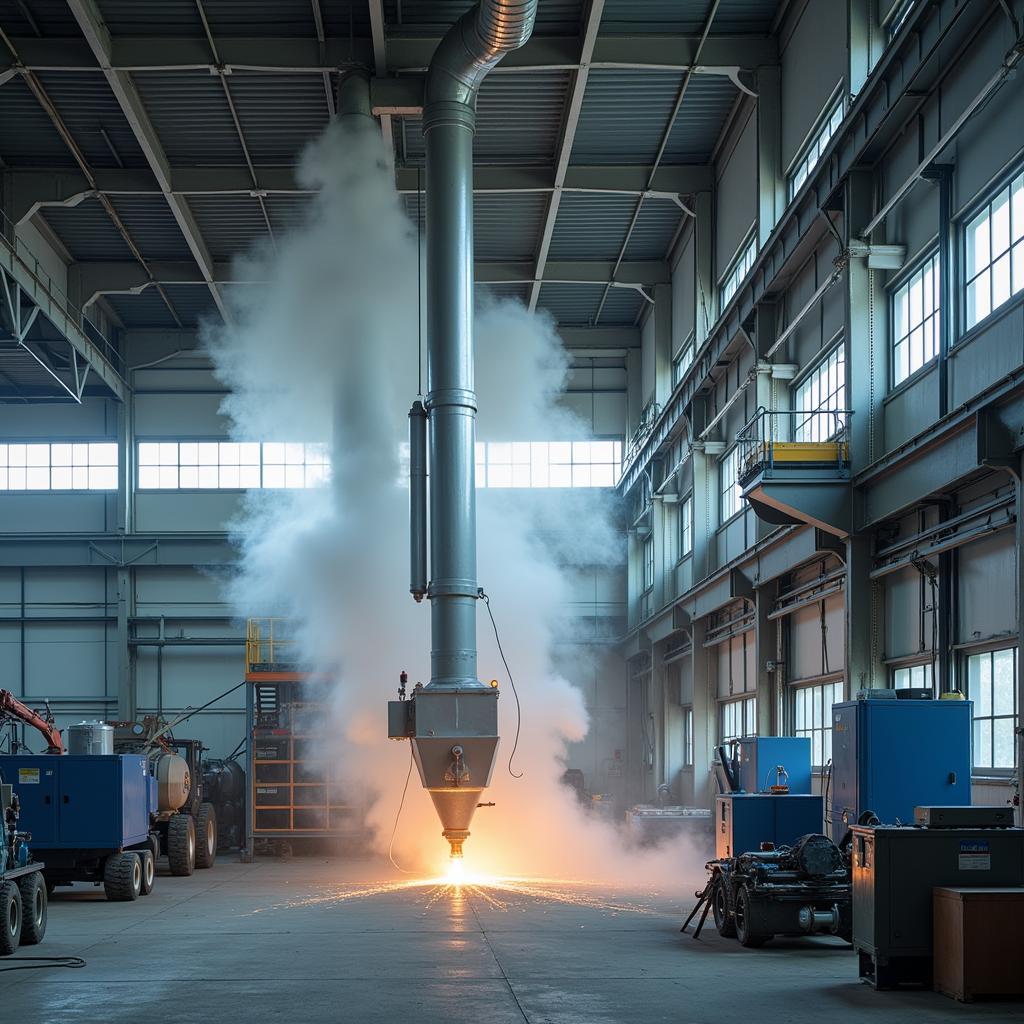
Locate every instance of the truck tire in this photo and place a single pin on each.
(181, 844)
(122, 877)
(33, 908)
(206, 836)
(721, 907)
(10, 918)
(746, 921)
(148, 871)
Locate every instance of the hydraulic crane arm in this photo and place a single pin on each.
(12, 707)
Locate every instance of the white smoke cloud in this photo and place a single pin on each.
(327, 348)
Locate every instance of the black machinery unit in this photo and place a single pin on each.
(895, 870)
(803, 889)
(23, 895)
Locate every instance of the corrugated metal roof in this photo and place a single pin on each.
(231, 17)
(591, 226)
(192, 303)
(519, 120)
(87, 232)
(687, 17)
(152, 227)
(572, 305)
(191, 117)
(625, 114)
(621, 308)
(147, 309)
(89, 108)
(152, 18)
(27, 136)
(430, 17)
(519, 292)
(279, 113)
(52, 17)
(287, 213)
(654, 230)
(229, 224)
(506, 227)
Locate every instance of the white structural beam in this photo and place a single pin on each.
(591, 27)
(90, 20)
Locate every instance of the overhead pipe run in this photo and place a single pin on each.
(452, 721)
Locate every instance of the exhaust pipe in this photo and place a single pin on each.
(453, 721)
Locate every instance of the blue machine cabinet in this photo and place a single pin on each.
(743, 821)
(890, 756)
(83, 801)
(759, 756)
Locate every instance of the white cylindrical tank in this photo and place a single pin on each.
(173, 781)
(90, 738)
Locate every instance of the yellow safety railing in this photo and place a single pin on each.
(270, 643)
(788, 438)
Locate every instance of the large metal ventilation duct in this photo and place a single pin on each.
(453, 721)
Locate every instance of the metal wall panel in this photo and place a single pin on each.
(817, 649)
(683, 300)
(986, 605)
(912, 409)
(736, 192)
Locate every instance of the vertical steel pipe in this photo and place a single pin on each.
(418, 500)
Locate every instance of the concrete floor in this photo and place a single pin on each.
(312, 940)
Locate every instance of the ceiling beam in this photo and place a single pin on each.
(90, 20)
(721, 55)
(587, 47)
(91, 279)
(31, 189)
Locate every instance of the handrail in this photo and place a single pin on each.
(759, 439)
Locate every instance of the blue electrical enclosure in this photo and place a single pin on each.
(759, 756)
(890, 756)
(82, 801)
(743, 821)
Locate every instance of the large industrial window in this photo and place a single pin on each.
(732, 493)
(915, 319)
(737, 718)
(648, 563)
(913, 677)
(816, 146)
(812, 716)
(994, 252)
(687, 737)
(231, 465)
(58, 466)
(548, 463)
(683, 361)
(899, 16)
(686, 527)
(992, 688)
(738, 271)
(822, 396)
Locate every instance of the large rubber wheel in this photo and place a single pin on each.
(206, 836)
(122, 877)
(181, 844)
(721, 907)
(10, 918)
(33, 908)
(148, 871)
(746, 921)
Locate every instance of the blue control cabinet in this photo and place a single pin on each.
(759, 756)
(82, 801)
(890, 756)
(743, 821)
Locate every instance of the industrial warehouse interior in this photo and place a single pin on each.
(511, 511)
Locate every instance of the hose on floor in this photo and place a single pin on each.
(38, 963)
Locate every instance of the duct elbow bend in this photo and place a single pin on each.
(472, 47)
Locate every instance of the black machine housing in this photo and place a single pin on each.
(803, 889)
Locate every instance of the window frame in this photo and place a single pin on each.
(71, 466)
(537, 462)
(927, 668)
(816, 139)
(991, 770)
(904, 281)
(816, 689)
(688, 736)
(686, 527)
(1014, 252)
(647, 556)
(737, 271)
(805, 378)
(733, 490)
(747, 716)
(679, 366)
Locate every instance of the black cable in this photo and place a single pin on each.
(234, 753)
(419, 278)
(394, 831)
(508, 672)
(38, 963)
